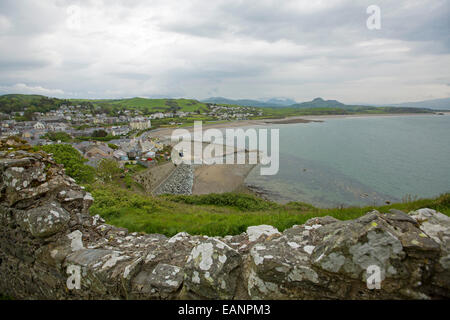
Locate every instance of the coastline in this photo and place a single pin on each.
(221, 178)
(321, 118)
(165, 133)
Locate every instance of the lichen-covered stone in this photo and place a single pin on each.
(211, 270)
(46, 220)
(279, 268)
(166, 278)
(256, 232)
(436, 226)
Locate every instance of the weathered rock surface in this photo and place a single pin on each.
(211, 270)
(47, 238)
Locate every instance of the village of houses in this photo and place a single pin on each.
(129, 147)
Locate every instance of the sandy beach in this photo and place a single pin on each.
(220, 178)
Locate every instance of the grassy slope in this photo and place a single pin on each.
(219, 214)
(19, 102)
(25, 98)
(148, 105)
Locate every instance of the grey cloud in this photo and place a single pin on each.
(340, 25)
(31, 17)
(130, 75)
(231, 48)
(10, 65)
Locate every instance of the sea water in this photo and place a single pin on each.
(360, 161)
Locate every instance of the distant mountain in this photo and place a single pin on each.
(273, 102)
(320, 103)
(424, 106)
(436, 104)
(281, 102)
(222, 100)
(334, 104)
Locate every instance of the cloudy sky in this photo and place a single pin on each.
(300, 49)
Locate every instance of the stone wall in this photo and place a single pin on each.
(46, 231)
(180, 181)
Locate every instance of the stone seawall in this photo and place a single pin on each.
(51, 248)
(180, 181)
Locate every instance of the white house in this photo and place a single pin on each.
(39, 126)
(140, 124)
(158, 115)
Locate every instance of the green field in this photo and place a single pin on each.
(147, 105)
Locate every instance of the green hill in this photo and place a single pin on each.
(320, 103)
(317, 106)
(241, 102)
(21, 102)
(320, 106)
(32, 103)
(146, 105)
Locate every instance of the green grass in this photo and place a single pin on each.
(73, 161)
(135, 168)
(220, 215)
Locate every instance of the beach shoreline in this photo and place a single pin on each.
(221, 178)
(165, 133)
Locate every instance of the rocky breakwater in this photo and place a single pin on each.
(180, 181)
(51, 248)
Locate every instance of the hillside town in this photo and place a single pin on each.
(100, 136)
(84, 131)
